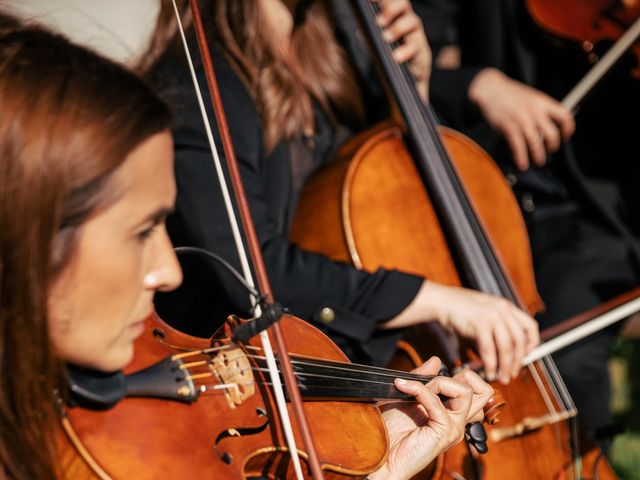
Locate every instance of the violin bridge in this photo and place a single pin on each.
(233, 370)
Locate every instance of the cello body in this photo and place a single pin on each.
(370, 208)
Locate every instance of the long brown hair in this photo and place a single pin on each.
(68, 119)
(283, 92)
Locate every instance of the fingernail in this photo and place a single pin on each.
(401, 381)
(504, 379)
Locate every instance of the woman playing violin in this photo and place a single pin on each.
(296, 82)
(84, 248)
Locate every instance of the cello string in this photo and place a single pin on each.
(266, 344)
(543, 391)
(404, 87)
(454, 180)
(573, 421)
(554, 381)
(445, 180)
(556, 385)
(564, 392)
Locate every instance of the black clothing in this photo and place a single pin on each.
(302, 281)
(580, 259)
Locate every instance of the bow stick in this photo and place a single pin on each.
(254, 248)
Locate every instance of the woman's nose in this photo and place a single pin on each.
(166, 274)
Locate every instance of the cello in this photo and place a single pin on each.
(441, 209)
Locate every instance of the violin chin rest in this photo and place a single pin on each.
(95, 390)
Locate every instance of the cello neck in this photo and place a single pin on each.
(473, 250)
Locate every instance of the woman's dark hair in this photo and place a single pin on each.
(68, 120)
(285, 90)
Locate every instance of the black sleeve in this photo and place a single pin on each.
(439, 21)
(449, 94)
(304, 282)
(448, 88)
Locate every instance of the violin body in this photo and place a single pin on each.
(370, 208)
(147, 438)
(587, 22)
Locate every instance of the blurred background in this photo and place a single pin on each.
(121, 30)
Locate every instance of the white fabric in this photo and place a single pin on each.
(118, 29)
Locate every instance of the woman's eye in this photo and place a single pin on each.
(146, 233)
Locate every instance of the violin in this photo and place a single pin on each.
(218, 388)
(412, 196)
(204, 408)
(588, 22)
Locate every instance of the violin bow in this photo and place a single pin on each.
(264, 286)
(584, 86)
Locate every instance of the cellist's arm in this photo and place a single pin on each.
(503, 332)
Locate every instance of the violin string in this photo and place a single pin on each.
(349, 367)
(352, 369)
(220, 389)
(194, 375)
(310, 362)
(180, 356)
(390, 374)
(367, 394)
(304, 375)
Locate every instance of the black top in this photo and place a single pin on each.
(303, 282)
(591, 175)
